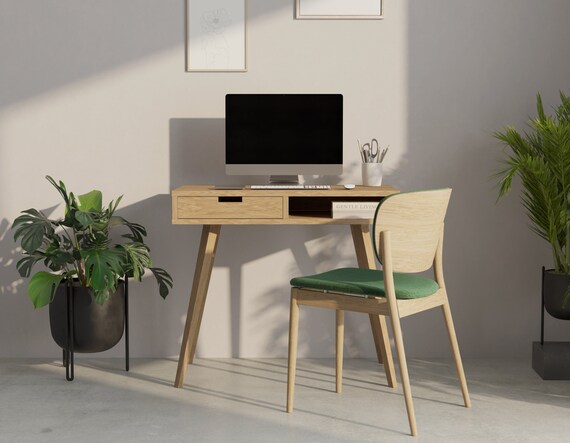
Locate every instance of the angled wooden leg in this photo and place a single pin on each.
(365, 257)
(339, 348)
(377, 336)
(202, 273)
(456, 354)
(293, 338)
(398, 340)
(396, 329)
(379, 327)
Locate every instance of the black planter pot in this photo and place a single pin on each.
(554, 288)
(96, 328)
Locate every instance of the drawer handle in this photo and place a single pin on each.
(230, 199)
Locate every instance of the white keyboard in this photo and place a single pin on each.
(285, 186)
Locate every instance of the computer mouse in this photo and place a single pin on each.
(349, 186)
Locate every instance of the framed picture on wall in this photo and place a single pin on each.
(216, 36)
(339, 9)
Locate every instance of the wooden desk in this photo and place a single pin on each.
(212, 208)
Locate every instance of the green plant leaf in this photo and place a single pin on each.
(541, 159)
(60, 188)
(540, 108)
(113, 206)
(138, 232)
(70, 209)
(101, 296)
(57, 259)
(137, 259)
(164, 281)
(116, 221)
(103, 267)
(42, 287)
(96, 240)
(91, 202)
(85, 219)
(25, 265)
(30, 228)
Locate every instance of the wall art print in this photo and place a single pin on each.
(216, 36)
(339, 9)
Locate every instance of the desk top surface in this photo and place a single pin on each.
(335, 190)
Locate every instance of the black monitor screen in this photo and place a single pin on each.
(284, 129)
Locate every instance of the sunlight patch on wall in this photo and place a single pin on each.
(108, 131)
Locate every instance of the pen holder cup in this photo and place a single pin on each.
(371, 174)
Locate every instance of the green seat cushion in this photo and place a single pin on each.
(360, 281)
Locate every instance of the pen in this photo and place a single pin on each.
(362, 155)
(384, 151)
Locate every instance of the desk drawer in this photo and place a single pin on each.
(230, 207)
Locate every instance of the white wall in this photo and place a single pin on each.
(95, 94)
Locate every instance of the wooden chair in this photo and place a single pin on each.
(408, 239)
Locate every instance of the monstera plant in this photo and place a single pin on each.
(78, 248)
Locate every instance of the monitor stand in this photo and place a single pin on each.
(284, 179)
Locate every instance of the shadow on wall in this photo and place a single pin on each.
(10, 254)
(197, 157)
(10, 281)
(316, 329)
(21, 327)
(69, 40)
(197, 153)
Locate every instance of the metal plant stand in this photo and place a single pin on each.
(550, 359)
(68, 354)
(542, 309)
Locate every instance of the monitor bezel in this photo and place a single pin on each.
(286, 169)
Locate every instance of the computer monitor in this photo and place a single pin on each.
(284, 135)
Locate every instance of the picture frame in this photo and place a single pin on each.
(339, 9)
(216, 36)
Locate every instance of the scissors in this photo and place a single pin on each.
(371, 151)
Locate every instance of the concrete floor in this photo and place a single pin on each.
(238, 400)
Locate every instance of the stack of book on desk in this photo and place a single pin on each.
(354, 209)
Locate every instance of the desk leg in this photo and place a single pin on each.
(204, 265)
(365, 256)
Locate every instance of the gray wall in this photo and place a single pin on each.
(95, 94)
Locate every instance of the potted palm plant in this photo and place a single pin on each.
(83, 259)
(541, 158)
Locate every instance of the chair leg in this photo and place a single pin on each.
(404, 372)
(456, 354)
(339, 348)
(293, 336)
(387, 359)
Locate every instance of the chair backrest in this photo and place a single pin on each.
(415, 222)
